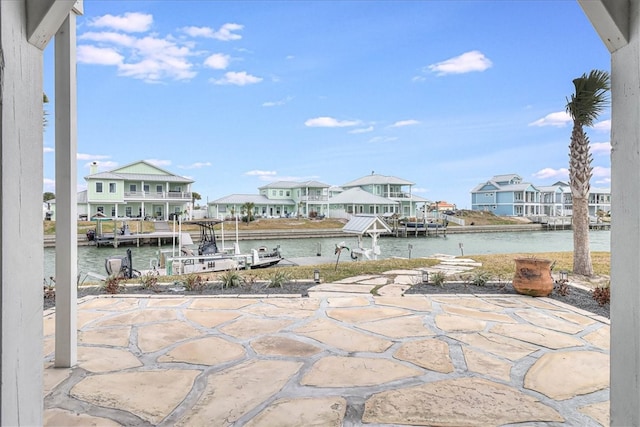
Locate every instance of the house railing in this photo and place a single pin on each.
(397, 195)
(314, 198)
(175, 195)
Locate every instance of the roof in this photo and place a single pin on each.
(294, 184)
(506, 177)
(359, 197)
(377, 179)
(256, 199)
(121, 173)
(360, 224)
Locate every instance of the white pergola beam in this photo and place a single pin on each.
(610, 18)
(44, 18)
(66, 194)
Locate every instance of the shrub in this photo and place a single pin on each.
(480, 278)
(231, 279)
(194, 283)
(278, 279)
(602, 294)
(438, 278)
(112, 284)
(149, 280)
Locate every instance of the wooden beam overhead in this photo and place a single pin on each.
(610, 18)
(44, 18)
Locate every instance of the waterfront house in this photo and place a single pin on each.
(507, 195)
(372, 194)
(136, 190)
(276, 199)
(397, 191)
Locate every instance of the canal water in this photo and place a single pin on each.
(91, 258)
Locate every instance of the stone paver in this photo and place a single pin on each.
(340, 357)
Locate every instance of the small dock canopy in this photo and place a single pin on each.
(366, 224)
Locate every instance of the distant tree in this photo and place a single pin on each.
(248, 208)
(584, 106)
(48, 196)
(45, 100)
(195, 196)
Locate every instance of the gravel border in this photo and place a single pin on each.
(577, 297)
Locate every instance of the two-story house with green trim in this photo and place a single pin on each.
(375, 194)
(137, 190)
(277, 199)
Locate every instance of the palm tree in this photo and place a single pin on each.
(588, 101)
(248, 208)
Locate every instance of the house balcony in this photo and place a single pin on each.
(152, 195)
(397, 195)
(314, 198)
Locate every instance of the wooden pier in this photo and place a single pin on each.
(418, 229)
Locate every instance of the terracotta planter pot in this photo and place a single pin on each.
(533, 277)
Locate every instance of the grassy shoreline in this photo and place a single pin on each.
(498, 267)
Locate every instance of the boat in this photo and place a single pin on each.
(207, 257)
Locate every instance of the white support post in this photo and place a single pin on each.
(21, 233)
(66, 194)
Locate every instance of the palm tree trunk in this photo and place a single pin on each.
(581, 253)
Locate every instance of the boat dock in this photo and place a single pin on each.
(156, 237)
(417, 229)
(564, 223)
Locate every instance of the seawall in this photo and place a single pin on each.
(50, 240)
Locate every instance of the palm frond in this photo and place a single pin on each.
(590, 97)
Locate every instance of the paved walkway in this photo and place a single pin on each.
(341, 357)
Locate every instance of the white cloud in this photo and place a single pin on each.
(330, 122)
(109, 37)
(403, 123)
(362, 130)
(237, 78)
(465, 63)
(277, 103)
(158, 162)
(601, 172)
(547, 173)
(599, 148)
(217, 61)
(196, 165)
(604, 126)
(225, 33)
(557, 119)
(130, 22)
(87, 54)
(82, 156)
(260, 173)
(379, 139)
(102, 166)
(48, 149)
(151, 59)
(49, 184)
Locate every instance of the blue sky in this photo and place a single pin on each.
(236, 94)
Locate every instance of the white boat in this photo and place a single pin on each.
(206, 258)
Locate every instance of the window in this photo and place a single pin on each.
(158, 188)
(113, 211)
(133, 188)
(98, 187)
(273, 192)
(100, 209)
(127, 211)
(145, 188)
(288, 193)
(112, 187)
(281, 193)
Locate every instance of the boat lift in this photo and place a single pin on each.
(371, 225)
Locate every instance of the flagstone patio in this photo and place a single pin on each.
(341, 357)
